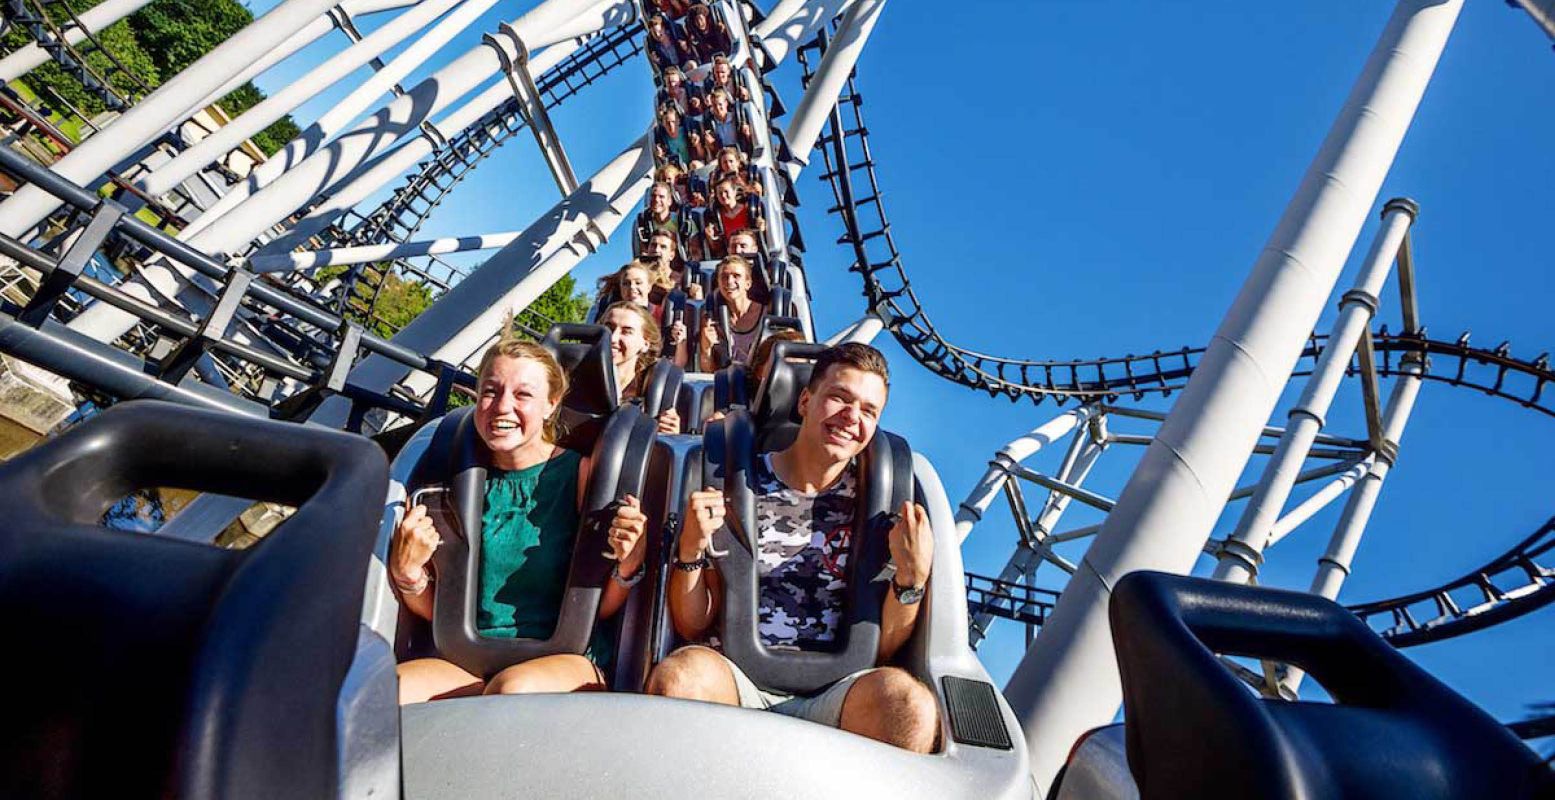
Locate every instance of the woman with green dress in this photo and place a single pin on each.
(533, 492)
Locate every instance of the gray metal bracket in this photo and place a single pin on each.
(531, 106)
(212, 328)
(54, 285)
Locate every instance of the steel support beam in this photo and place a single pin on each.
(970, 512)
(1243, 550)
(863, 331)
(1542, 11)
(1068, 683)
(231, 231)
(831, 75)
(531, 106)
(363, 254)
(232, 135)
(1334, 565)
(235, 224)
(159, 111)
(471, 313)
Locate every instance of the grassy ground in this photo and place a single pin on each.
(70, 126)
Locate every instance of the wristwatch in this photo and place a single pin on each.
(906, 595)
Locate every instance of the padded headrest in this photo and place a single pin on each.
(584, 354)
(1392, 730)
(216, 654)
(776, 410)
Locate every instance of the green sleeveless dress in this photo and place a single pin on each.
(527, 534)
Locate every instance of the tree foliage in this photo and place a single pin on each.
(156, 43)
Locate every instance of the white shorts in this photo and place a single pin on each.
(824, 707)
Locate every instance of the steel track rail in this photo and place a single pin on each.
(890, 295)
(1513, 584)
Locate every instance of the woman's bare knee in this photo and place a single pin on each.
(556, 673)
(427, 679)
(694, 673)
(892, 706)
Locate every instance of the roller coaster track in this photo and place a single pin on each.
(844, 146)
(1512, 585)
(400, 216)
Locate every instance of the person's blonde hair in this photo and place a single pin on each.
(509, 346)
(651, 336)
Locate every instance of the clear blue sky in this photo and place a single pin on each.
(1071, 180)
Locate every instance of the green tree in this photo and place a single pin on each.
(560, 303)
(399, 302)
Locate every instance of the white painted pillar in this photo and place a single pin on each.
(232, 135)
(831, 75)
(1068, 682)
(1244, 547)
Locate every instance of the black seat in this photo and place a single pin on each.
(885, 481)
(776, 406)
(1393, 731)
(161, 667)
(584, 354)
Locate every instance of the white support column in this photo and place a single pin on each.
(232, 135)
(234, 226)
(1334, 565)
(30, 56)
(391, 165)
(170, 104)
(863, 331)
(1244, 548)
(343, 256)
(333, 121)
(1068, 683)
(970, 512)
(1542, 11)
(831, 75)
(794, 22)
(309, 34)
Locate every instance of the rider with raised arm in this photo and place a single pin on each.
(805, 501)
(530, 519)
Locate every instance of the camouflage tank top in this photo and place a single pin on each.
(804, 540)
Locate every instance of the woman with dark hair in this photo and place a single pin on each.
(705, 36)
(664, 48)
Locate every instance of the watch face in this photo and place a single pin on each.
(909, 595)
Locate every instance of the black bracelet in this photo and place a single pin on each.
(691, 566)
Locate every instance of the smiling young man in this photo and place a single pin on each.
(805, 501)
